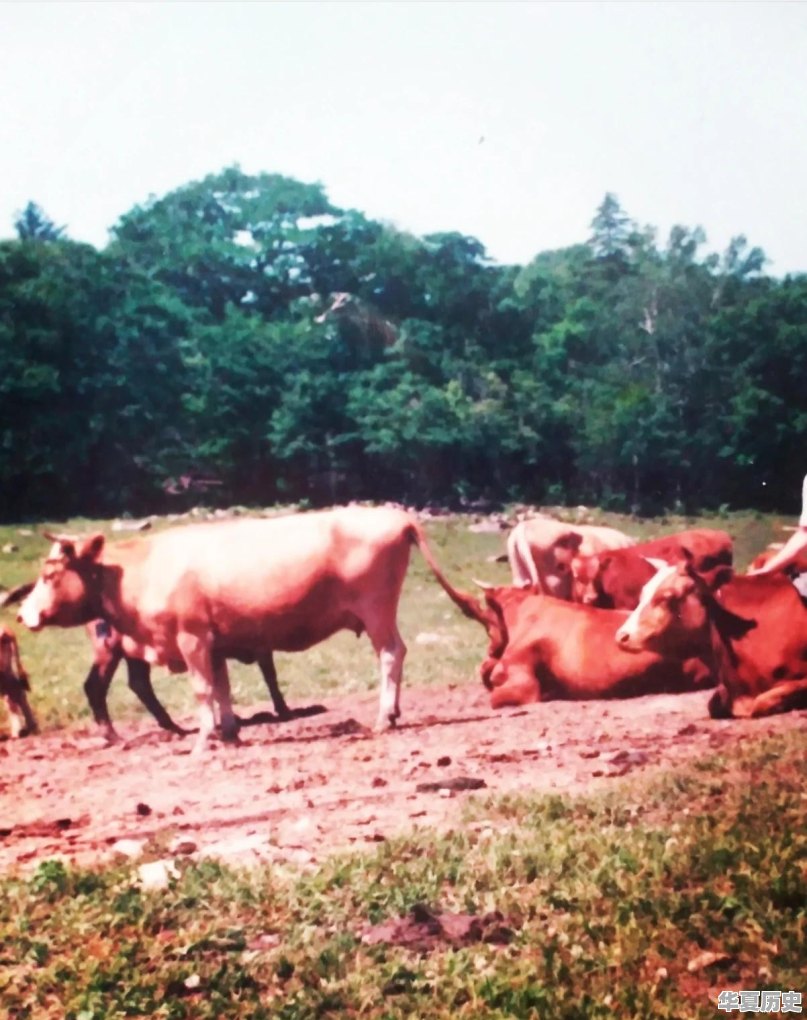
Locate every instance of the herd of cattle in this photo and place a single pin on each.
(590, 614)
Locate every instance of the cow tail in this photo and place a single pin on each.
(468, 605)
(522, 564)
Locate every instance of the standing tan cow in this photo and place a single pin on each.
(194, 596)
(14, 686)
(540, 551)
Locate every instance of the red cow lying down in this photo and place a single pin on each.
(14, 686)
(752, 634)
(614, 580)
(542, 648)
(194, 596)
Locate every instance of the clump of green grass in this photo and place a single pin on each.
(609, 900)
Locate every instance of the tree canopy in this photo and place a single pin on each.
(243, 335)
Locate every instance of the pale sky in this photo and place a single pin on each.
(505, 121)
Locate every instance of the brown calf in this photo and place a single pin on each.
(14, 686)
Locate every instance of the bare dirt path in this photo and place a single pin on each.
(295, 791)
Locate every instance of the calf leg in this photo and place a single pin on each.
(266, 663)
(21, 719)
(96, 688)
(140, 685)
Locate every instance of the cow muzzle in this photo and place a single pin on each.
(626, 640)
(30, 617)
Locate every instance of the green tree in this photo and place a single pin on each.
(33, 225)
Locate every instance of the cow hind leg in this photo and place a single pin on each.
(266, 664)
(391, 652)
(228, 723)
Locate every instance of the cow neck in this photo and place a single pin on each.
(724, 628)
(111, 603)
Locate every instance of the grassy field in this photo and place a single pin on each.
(645, 902)
(449, 650)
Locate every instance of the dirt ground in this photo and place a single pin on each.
(295, 791)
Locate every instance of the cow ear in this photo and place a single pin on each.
(67, 546)
(92, 548)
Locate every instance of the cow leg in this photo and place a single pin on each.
(784, 697)
(210, 685)
(221, 691)
(266, 664)
(520, 690)
(140, 685)
(96, 688)
(391, 652)
(720, 704)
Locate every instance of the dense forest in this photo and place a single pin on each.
(241, 340)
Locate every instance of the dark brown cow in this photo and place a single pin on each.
(111, 648)
(108, 650)
(542, 648)
(192, 597)
(752, 633)
(614, 580)
(14, 686)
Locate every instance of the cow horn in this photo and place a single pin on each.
(483, 584)
(16, 594)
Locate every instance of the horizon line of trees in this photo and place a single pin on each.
(242, 340)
